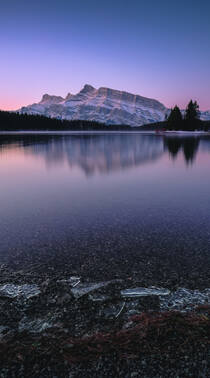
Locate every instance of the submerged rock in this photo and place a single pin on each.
(34, 326)
(14, 291)
(72, 281)
(112, 311)
(99, 297)
(3, 330)
(82, 289)
(185, 299)
(142, 292)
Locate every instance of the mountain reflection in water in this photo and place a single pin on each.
(91, 153)
(103, 153)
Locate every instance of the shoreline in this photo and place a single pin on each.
(64, 132)
(104, 132)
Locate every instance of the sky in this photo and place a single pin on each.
(154, 48)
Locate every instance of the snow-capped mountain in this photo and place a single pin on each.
(104, 105)
(205, 116)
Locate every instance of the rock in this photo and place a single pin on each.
(98, 297)
(142, 292)
(185, 299)
(111, 311)
(83, 289)
(34, 326)
(13, 291)
(45, 284)
(73, 281)
(64, 299)
(3, 330)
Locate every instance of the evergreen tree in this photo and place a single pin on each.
(175, 119)
(192, 111)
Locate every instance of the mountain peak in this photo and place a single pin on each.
(46, 98)
(88, 88)
(68, 96)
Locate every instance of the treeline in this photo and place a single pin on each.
(11, 121)
(14, 121)
(189, 121)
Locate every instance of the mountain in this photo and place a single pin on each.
(103, 105)
(205, 116)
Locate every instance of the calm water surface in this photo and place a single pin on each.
(114, 196)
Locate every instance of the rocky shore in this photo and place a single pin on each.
(69, 326)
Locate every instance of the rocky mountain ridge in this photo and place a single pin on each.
(103, 105)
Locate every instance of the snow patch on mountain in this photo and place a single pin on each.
(205, 116)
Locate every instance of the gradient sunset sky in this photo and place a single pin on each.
(155, 48)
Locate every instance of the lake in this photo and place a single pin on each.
(107, 205)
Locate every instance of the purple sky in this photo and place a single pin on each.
(158, 49)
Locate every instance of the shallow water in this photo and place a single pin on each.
(125, 203)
